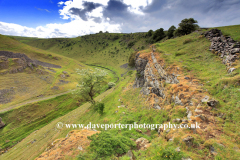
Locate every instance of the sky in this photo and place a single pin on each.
(73, 18)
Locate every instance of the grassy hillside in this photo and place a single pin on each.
(106, 49)
(30, 84)
(190, 53)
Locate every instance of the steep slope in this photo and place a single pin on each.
(29, 73)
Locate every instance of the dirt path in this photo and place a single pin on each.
(33, 101)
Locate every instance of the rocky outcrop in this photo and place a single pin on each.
(142, 143)
(151, 76)
(25, 58)
(225, 47)
(76, 141)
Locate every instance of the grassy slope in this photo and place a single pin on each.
(24, 120)
(197, 61)
(33, 85)
(107, 49)
(233, 31)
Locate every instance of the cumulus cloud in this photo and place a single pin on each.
(91, 16)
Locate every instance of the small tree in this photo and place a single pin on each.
(90, 83)
(158, 34)
(171, 31)
(186, 26)
(150, 33)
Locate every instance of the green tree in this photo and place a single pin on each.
(186, 26)
(90, 83)
(158, 34)
(171, 31)
(150, 33)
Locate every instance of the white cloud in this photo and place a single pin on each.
(135, 7)
(76, 26)
(72, 29)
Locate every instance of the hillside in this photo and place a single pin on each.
(184, 80)
(105, 49)
(30, 73)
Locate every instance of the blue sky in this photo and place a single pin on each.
(72, 18)
(30, 13)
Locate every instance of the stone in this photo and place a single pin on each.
(167, 131)
(64, 72)
(198, 110)
(142, 143)
(186, 78)
(186, 159)
(178, 120)
(122, 106)
(62, 76)
(130, 155)
(205, 99)
(178, 101)
(212, 150)
(212, 103)
(178, 149)
(189, 141)
(80, 148)
(231, 70)
(157, 107)
(189, 115)
(138, 130)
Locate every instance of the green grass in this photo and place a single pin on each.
(233, 31)
(22, 121)
(106, 49)
(189, 52)
(32, 83)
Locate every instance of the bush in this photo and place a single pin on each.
(130, 44)
(171, 31)
(111, 84)
(158, 35)
(168, 153)
(150, 33)
(106, 144)
(99, 107)
(186, 26)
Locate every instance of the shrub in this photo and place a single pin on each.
(150, 33)
(168, 153)
(106, 144)
(99, 107)
(171, 31)
(158, 34)
(130, 44)
(130, 73)
(111, 84)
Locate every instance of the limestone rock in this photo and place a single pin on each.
(212, 103)
(142, 143)
(189, 141)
